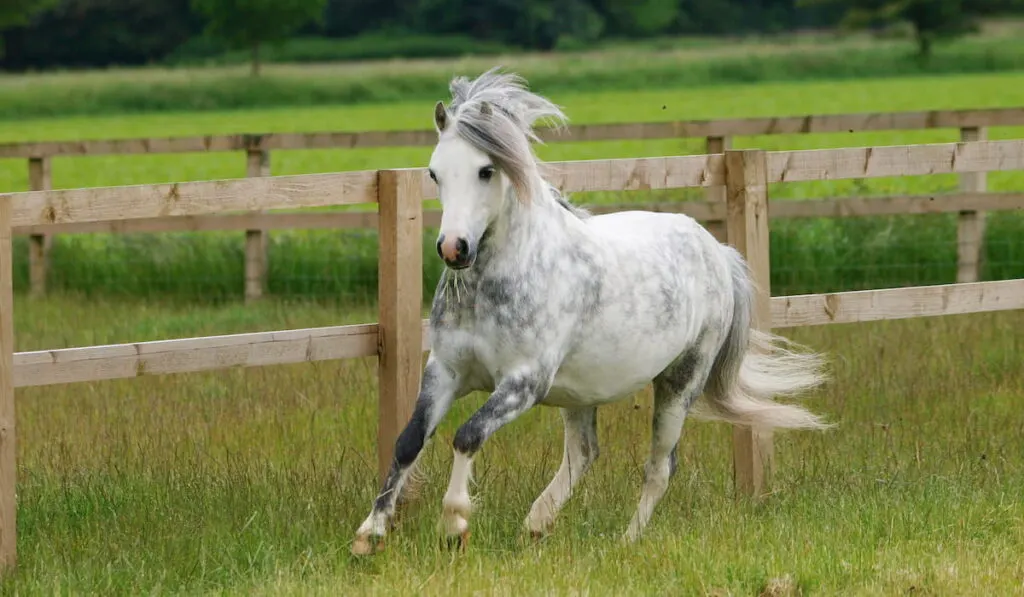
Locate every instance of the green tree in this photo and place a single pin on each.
(15, 13)
(932, 20)
(254, 23)
(642, 18)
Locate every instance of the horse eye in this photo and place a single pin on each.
(486, 172)
(433, 176)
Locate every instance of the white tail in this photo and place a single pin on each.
(753, 367)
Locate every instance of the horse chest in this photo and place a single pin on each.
(494, 327)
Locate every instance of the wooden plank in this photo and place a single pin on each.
(631, 174)
(902, 160)
(747, 231)
(819, 123)
(719, 230)
(190, 355)
(8, 439)
(970, 231)
(216, 222)
(896, 303)
(843, 207)
(39, 179)
(716, 194)
(400, 295)
(194, 198)
(256, 242)
(343, 188)
(705, 211)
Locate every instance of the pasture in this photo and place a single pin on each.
(252, 481)
(682, 63)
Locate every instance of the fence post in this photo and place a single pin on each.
(400, 288)
(8, 470)
(39, 244)
(746, 195)
(716, 194)
(970, 228)
(257, 164)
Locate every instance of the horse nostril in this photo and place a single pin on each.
(461, 247)
(439, 241)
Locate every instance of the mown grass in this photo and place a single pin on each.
(681, 67)
(807, 256)
(251, 482)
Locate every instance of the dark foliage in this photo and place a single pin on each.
(91, 33)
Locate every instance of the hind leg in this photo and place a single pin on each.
(674, 392)
(578, 453)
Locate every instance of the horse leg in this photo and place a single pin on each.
(437, 390)
(512, 397)
(675, 390)
(578, 453)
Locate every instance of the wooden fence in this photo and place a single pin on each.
(398, 339)
(970, 203)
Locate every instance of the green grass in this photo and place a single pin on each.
(807, 256)
(253, 481)
(680, 66)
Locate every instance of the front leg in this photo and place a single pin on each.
(512, 397)
(438, 389)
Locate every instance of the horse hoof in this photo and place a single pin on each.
(537, 536)
(459, 542)
(362, 546)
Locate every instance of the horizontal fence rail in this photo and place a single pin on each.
(257, 349)
(705, 211)
(35, 208)
(727, 127)
(400, 336)
(257, 148)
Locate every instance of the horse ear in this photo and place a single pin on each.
(440, 116)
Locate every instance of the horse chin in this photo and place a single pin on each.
(460, 268)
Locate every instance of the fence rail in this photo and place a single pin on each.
(398, 339)
(729, 127)
(257, 148)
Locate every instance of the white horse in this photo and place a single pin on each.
(543, 304)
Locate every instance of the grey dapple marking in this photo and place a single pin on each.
(543, 303)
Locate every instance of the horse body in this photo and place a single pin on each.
(545, 304)
(599, 305)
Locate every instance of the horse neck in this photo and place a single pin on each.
(526, 226)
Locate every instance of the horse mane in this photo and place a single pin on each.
(496, 114)
(580, 212)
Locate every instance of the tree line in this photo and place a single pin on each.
(40, 34)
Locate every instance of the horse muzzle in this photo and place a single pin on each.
(456, 251)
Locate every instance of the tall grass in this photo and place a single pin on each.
(253, 481)
(807, 256)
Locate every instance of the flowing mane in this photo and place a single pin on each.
(496, 114)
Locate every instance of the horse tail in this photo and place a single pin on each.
(753, 367)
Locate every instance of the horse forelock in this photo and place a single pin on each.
(495, 113)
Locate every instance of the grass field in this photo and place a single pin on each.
(669, 63)
(252, 482)
(807, 256)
